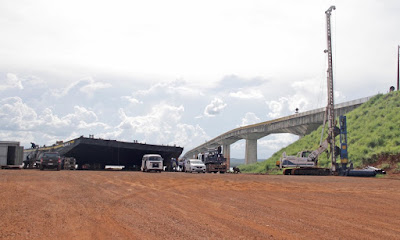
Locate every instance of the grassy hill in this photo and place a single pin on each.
(373, 131)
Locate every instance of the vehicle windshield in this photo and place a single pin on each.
(52, 155)
(305, 154)
(196, 161)
(155, 158)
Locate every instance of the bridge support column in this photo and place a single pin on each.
(227, 154)
(251, 151)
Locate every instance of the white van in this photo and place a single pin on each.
(152, 162)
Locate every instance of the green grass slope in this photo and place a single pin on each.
(373, 130)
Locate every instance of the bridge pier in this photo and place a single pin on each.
(251, 151)
(226, 148)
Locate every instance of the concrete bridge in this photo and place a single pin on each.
(299, 124)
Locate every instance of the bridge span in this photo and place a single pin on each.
(299, 124)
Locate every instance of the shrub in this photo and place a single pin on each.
(397, 169)
(385, 166)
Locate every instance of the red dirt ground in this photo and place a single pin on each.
(134, 205)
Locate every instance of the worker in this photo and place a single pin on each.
(173, 160)
(236, 170)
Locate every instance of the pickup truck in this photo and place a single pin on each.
(50, 160)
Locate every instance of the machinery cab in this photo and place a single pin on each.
(300, 160)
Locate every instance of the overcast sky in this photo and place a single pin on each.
(183, 72)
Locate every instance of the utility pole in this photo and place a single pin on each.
(331, 103)
(398, 59)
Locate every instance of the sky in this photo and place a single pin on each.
(182, 72)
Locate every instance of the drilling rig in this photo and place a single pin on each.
(306, 162)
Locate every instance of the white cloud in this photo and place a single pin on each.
(34, 81)
(247, 94)
(214, 108)
(287, 106)
(61, 92)
(276, 141)
(132, 100)
(19, 118)
(305, 95)
(16, 115)
(93, 86)
(189, 135)
(24, 137)
(175, 87)
(249, 118)
(11, 81)
(86, 85)
(81, 114)
(162, 125)
(52, 121)
(80, 120)
(94, 125)
(155, 127)
(276, 107)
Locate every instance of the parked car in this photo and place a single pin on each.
(50, 160)
(195, 165)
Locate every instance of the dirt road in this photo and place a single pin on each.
(134, 205)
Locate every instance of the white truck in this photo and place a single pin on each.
(152, 162)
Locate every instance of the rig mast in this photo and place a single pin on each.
(331, 103)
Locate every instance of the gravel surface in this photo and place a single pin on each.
(134, 205)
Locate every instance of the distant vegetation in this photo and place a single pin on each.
(373, 129)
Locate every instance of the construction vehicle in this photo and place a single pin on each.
(306, 162)
(68, 163)
(214, 161)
